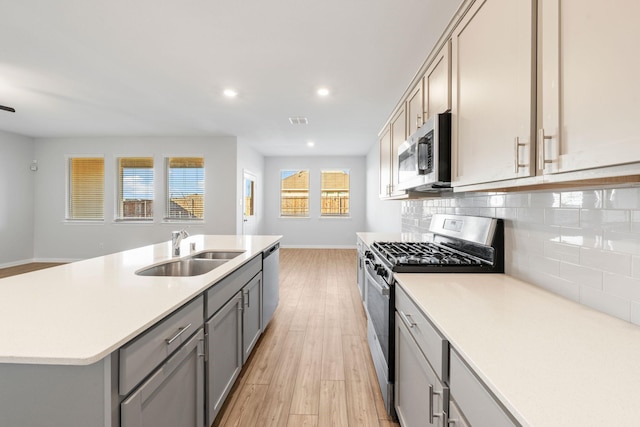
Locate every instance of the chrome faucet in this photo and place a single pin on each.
(176, 238)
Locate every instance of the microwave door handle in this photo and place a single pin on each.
(421, 146)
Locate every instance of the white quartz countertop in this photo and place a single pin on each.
(550, 361)
(78, 313)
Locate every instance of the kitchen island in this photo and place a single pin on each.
(62, 328)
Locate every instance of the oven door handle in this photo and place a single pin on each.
(384, 290)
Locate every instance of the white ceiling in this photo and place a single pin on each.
(74, 68)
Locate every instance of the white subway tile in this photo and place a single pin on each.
(607, 303)
(588, 199)
(613, 262)
(562, 217)
(562, 252)
(532, 215)
(621, 242)
(545, 200)
(583, 276)
(635, 313)
(601, 219)
(581, 237)
(517, 200)
(556, 285)
(635, 266)
(622, 198)
(545, 265)
(622, 286)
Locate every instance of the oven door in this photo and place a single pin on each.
(378, 305)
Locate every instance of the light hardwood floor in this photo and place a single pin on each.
(312, 366)
(25, 268)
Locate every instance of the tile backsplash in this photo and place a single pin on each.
(581, 244)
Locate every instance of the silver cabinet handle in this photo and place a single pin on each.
(445, 397)
(180, 332)
(247, 301)
(406, 318)
(542, 158)
(516, 148)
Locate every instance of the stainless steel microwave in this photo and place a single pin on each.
(424, 159)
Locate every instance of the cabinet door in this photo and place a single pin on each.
(437, 84)
(492, 92)
(385, 163)
(173, 395)
(251, 315)
(398, 136)
(589, 73)
(420, 398)
(415, 109)
(224, 345)
(456, 418)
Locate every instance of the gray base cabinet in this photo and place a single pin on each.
(224, 344)
(174, 394)
(420, 398)
(251, 315)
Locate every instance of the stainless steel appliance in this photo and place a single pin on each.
(424, 159)
(458, 244)
(270, 283)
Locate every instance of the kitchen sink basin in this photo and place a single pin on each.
(183, 267)
(216, 255)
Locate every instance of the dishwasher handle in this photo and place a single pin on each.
(270, 251)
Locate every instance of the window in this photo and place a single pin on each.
(294, 193)
(185, 188)
(249, 196)
(135, 188)
(86, 188)
(334, 192)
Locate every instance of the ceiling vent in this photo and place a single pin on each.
(298, 120)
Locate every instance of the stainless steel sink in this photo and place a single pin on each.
(182, 267)
(226, 255)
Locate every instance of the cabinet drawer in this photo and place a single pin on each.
(477, 404)
(431, 343)
(141, 356)
(224, 290)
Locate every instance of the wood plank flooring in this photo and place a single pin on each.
(25, 268)
(312, 366)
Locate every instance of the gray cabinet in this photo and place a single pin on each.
(421, 399)
(474, 400)
(251, 315)
(224, 349)
(234, 325)
(173, 396)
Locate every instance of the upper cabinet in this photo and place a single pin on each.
(493, 83)
(437, 83)
(590, 99)
(415, 109)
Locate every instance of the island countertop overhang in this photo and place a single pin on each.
(78, 313)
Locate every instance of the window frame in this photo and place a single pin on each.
(322, 191)
(308, 190)
(118, 215)
(167, 186)
(69, 188)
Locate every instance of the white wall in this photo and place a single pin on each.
(251, 161)
(315, 231)
(383, 216)
(57, 239)
(16, 199)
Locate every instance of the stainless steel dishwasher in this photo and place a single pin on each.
(270, 282)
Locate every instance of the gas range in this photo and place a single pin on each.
(461, 244)
(457, 244)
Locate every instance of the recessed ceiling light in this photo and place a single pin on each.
(310, 144)
(323, 91)
(230, 93)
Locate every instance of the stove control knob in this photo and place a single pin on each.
(380, 270)
(369, 255)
